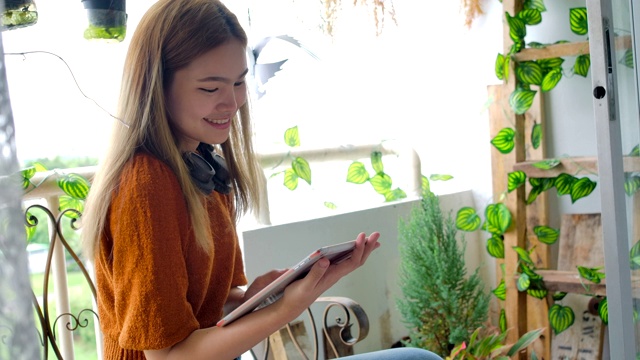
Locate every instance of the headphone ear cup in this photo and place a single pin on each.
(208, 170)
(202, 173)
(221, 178)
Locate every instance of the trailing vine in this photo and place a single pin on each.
(532, 76)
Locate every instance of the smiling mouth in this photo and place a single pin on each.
(217, 121)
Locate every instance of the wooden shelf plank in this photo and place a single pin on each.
(574, 166)
(567, 49)
(570, 282)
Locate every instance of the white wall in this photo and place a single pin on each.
(374, 285)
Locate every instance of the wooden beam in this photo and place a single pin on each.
(585, 165)
(566, 49)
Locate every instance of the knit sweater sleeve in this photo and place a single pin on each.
(149, 227)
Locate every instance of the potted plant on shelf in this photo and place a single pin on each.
(19, 13)
(107, 20)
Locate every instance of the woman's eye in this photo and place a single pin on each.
(239, 83)
(209, 90)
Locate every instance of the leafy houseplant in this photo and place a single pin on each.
(486, 343)
(19, 13)
(107, 20)
(441, 305)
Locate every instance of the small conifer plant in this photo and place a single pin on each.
(440, 305)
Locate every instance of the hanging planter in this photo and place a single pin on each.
(19, 13)
(107, 20)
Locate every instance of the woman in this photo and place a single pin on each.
(159, 224)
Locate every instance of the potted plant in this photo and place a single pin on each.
(107, 20)
(441, 304)
(19, 13)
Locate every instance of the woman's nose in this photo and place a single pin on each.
(228, 101)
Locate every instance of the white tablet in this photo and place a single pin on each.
(274, 291)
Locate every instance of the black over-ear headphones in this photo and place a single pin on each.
(208, 170)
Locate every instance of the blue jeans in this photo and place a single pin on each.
(404, 353)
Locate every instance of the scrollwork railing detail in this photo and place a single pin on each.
(75, 322)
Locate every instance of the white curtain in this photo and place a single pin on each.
(18, 336)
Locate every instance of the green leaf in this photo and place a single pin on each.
(30, 229)
(291, 137)
(634, 256)
(27, 174)
(376, 161)
(551, 79)
(521, 100)
(533, 194)
(516, 179)
(523, 282)
(467, 219)
(74, 185)
(591, 274)
(498, 218)
(550, 64)
(635, 151)
(631, 184)
(39, 167)
(529, 72)
(547, 164)
(503, 141)
(536, 135)
(627, 58)
(561, 318)
(501, 291)
(499, 67)
(440, 177)
(537, 293)
(67, 202)
(536, 45)
(290, 179)
(523, 255)
(302, 169)
(526, 269)
(564, 183)
(506, 67)
(581, 188)
(381, 183)
(525, 341)
(545, 183)
(495, 246)
(559, 295)
(530, 16)
(578, 20)
(330, 205)
(535, 4)
(603, 311)
(426, 187)
(516, 47)
(357, 173)
(394, 195)
(582, 64)
(546, 234)
(517, 28)
(502, 322)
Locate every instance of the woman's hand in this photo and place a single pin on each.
(323, 275)
(261, 282)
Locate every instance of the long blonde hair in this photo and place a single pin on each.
(169, 36)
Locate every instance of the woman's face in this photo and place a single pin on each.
(204, 96)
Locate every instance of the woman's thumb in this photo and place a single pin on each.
(317, 271)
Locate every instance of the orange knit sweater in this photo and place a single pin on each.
(155, 285)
